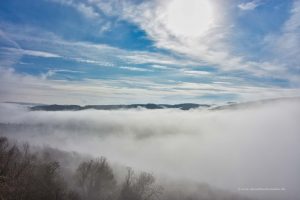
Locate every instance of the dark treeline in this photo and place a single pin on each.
(36, 175)
(151, 106)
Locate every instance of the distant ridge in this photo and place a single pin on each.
(233, 105)
(150, 106)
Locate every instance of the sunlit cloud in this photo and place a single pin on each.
(136, 69)
(188, 19)
(251, 5)
(16, 87)
(195, 42)
(31, 53)
(83, 8)
(285, 44)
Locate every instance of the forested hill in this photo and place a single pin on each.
(55, 107)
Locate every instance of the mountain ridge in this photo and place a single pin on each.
(153, 106)
(150, 106)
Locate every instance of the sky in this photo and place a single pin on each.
(158, 51)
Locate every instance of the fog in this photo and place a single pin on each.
(232, 149)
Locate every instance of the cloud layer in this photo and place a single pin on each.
(161, 51)
(254, 147)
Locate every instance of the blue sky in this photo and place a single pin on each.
(161, 51)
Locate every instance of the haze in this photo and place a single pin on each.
(249, 147)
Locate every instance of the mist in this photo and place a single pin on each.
(231, 149)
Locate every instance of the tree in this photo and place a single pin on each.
(15, 165)
(23, 175)
(96, 179)
(139, 188)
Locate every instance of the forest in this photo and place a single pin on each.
(34, 173)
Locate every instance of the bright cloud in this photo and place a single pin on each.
(254, 146)
(249, 5)
(32, 53)
(286, 44)
(188, 19)
(136, 69)
(16, 87)
(86, 10)
(204, 34)
(166, 42)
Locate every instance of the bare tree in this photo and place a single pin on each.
(96, 179)
(25, 176)
(34, 176)
(139, 188)
(15, 164)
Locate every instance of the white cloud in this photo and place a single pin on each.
(102, 63)
(136, 69)
(196, 73)
(205, 35)
(84, 52)
(32, 52)
(105, 27)
(286, 44)
(257, 146)
(200, 34)
(140, 57)
(170, 30)
(87, 10)
(211, 44)
(160, 67)
(27, 88)
(210, 48)
(6, 42)
(284, 47)
(207, 43)
(52, 72)
(188, 18)
(249, 5)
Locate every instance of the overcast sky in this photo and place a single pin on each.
(161, 51)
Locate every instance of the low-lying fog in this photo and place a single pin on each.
(255, 147)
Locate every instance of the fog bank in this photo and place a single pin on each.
(255, 147)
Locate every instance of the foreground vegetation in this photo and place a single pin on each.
(43, 174)
(33, 176)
